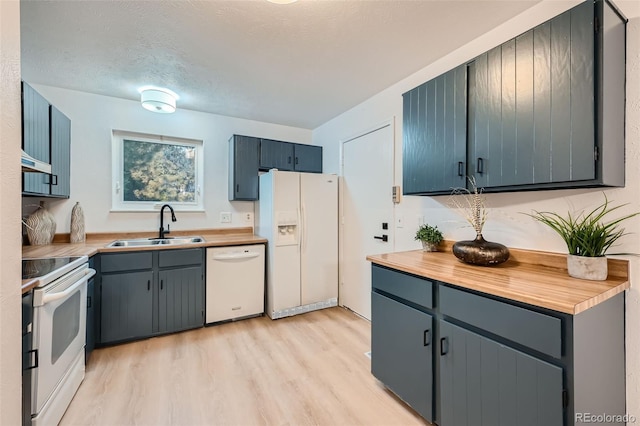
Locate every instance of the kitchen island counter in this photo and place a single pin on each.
(532, 277)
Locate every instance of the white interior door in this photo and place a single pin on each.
(367, 170)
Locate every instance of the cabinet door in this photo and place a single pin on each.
(35, 138)
(126, 306)
(401, 352)
(91, 320)
(434, 129)
(180, 299)
(485, 383)
(531, 106)
(243, 168)
(60, 153)
(308, 158)
(276, 154)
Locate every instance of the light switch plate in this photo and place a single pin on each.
(225, 217)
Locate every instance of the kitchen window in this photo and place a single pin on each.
(151, 170)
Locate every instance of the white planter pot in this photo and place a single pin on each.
(587, 268)
(427, 246)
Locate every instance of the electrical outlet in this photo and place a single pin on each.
(248, 217)
(225, 217)
(399, 222)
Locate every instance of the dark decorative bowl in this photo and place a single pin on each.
(480, 252)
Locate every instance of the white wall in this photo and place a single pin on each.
(10, 325)
(93, 117)
(506, 223)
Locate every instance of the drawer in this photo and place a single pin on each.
(408, 287)
(131, 261)
(181, 257)
(529, 328)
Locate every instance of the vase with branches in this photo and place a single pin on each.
(471, 204)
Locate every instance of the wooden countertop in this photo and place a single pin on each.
(532, 277)
(96, 243)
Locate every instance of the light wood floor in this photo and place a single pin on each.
(304, 370)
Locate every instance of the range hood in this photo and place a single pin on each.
(30, 164)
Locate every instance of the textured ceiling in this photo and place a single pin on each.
(299, 64)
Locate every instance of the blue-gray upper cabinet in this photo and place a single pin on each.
(544, 110)
(244, 156)
(290, 156)
(276, 155)
(46, 135)
(35, 138)
(434, 134)
(532, 103)
(60, 153)
(307, 158)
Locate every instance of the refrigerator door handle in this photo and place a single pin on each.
(303, 224)
(299, 226)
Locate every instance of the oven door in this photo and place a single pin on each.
(59, 331)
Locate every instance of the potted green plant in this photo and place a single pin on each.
(430, 236)
(588, 237)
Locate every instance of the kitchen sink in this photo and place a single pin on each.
(150, 242)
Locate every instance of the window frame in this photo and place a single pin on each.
(117, 164)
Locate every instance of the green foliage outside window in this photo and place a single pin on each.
(158, 172)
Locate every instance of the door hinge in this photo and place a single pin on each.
(596, 153)
(565, 398)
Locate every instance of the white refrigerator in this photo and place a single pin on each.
(298, 214)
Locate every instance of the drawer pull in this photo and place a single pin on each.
(426, 337)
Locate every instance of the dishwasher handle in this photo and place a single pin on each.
(233, 256)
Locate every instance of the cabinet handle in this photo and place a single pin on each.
(426, 337)
(148, 285)
(296, 160)
(289, 160)
(35, 358)
(55, 180)
(480, 165)
(237, 187)
(460, 166)
(161, 284)
(444, 346)
(88, 301)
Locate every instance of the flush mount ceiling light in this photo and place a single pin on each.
(282, 1)
(157, 99)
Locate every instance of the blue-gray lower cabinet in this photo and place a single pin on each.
(180, 299)
(485, 383)
(147, 293)
(461, 357)
(402, 357)
(126, 306)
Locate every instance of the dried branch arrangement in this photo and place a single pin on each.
(470, 204)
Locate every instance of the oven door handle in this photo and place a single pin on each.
(50, 297)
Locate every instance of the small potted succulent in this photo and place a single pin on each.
(587, 237)
(430, 236)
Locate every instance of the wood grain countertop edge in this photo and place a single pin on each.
(533, 277)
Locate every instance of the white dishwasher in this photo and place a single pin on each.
(235, 282)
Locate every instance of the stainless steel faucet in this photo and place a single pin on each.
(162, 232)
